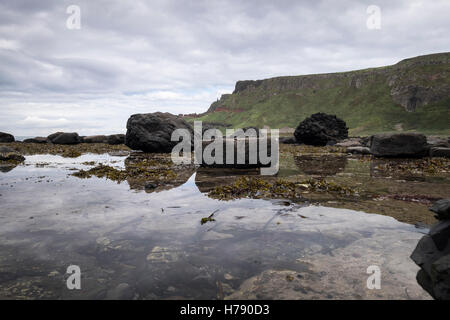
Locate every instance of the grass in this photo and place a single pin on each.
(366, 110)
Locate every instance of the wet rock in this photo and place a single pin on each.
(442, 209)
(116, 139)
(432, 254)
(287, 140)
(152, 132)
(351, 142)
(36, 140)
(440, 152)
(95, 139)
(399, 145)
(64, 138)
(434, 141)
(358, 150)
(8, 154)
(6, 137)
(150, 186)
(321, 129)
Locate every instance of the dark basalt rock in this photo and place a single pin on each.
(399, 145)
(152, 132)
(36, 140)
(95, 139)
(321, 129)
(116, 139)
(432, 254)
(287, 140)
(64, 138)
(6, 137)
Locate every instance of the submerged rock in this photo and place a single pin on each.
(8, 154)
(6, 137)
(152, 132)
(399, 145)
(321, 129)
(64, 138)
(432, 254)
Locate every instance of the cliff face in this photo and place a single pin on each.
(369, 100)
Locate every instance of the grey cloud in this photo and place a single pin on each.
(177, 56)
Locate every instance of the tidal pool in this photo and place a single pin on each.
(130, 244)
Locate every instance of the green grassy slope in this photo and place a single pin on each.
(367, 108)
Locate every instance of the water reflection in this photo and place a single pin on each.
(323, 165)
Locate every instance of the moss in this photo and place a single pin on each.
(258, 188)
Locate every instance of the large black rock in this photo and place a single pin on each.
(432, 254)
(152, 132)
(321, 129)
(64, 138)
(6, 137)
(399, 145)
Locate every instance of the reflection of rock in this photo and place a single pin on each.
(152, 132)
(207, 179)
(399, 145)
(321, 129)
(326, 165)
(432, 254)
(7, 167)
(239, 148)
(6, 137)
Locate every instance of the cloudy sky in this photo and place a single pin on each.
(179, 56)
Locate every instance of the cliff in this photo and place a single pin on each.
(412, 95)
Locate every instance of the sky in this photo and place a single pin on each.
(127, 57)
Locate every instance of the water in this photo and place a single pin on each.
(130, 244)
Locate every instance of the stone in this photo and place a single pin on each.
(432, 254)
(152, 132)
(321, 129)
(442, 209)
(36, 140)
(440, 152)
(95, 139)
(399, 145)
(358, 150)
(8, 154)
(6, 137)
(287, 140)
(64, 138)
(116, 139)
(351, 142)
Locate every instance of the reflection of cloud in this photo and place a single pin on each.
(180, 57)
